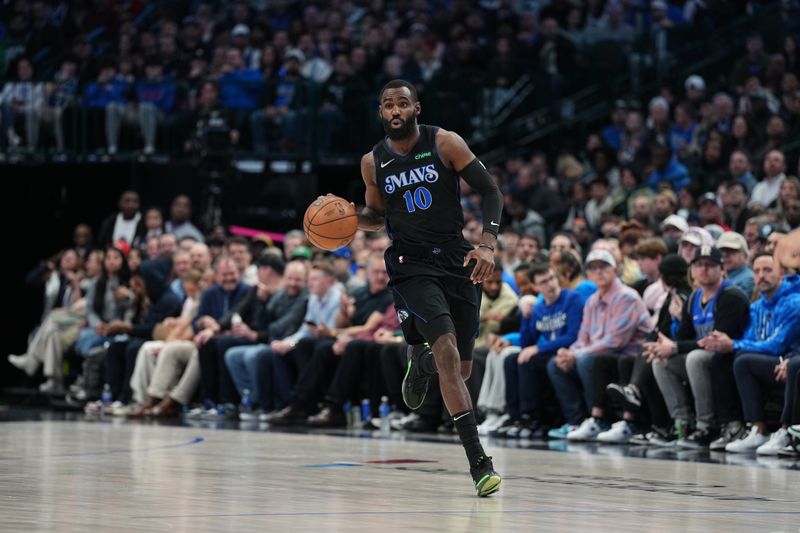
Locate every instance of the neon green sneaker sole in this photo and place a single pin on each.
(488, 484)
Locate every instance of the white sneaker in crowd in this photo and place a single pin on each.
(620, 433)
(777, 441)
(749, 443)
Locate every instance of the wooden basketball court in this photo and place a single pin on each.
(82, 476)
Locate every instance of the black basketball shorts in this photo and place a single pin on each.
(434, 295)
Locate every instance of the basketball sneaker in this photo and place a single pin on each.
(487, 481)
(415, 382)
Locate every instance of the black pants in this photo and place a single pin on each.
(604, 371)
(360, 364)
(120, 362)
(216, 384)
(637, 371)
(727, 403)
(317, 373)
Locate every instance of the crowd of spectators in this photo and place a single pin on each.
(637, 296)
(100, 77)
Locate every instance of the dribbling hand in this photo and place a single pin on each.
(484, 264)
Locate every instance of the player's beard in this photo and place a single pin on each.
(403, 132)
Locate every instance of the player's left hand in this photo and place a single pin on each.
(484, 264)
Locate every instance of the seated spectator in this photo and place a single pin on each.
(667, 170)
(734, 260)
(284, 118)
(61, 95)
(239, 250)
(497, 301)
(359, 368)
(107, 300)
(180, 220)
(181, 264)
(280, 315)
(716, 305)
(213, 326)
(155, 95)
(59, 280)
(357, 314)
(124, 225)
(765, 193)
(240, 88)
(765, 356)
(640, 398)
(649, 253)
(129, 336)
(552, 324)
(21, 98)
(160, 363)
(615, 322)
(569, 270)
(736, 211)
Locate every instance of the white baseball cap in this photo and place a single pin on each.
(601, 255)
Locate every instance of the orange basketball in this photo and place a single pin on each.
(330, 222)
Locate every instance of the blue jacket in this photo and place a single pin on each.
(216, 303)
(555, 326)
(241, 90)
(159, 93)
(774, 327)
(675, 173)
(100, 95)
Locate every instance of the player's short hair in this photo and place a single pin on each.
(396, 84)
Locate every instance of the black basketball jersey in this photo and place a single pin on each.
(421, 195)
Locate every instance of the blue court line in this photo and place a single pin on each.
(474, 512)
(196, 440)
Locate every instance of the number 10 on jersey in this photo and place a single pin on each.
(420, 198)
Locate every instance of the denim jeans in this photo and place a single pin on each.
(574, 401)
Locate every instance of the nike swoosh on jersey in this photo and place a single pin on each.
(383, 165)
(493, 223)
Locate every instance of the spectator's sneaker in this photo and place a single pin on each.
(251, 416)
(288, 416)
(489, 423)
(492, 423)
(120, 409)
(588, 430)
(777, 441)
(752, 440)
(415, 382)
(662, 439)
(417, 424)
(620, 433)
(93, 408)
(501, 432)
(624, 396)
(196, 413)
(794, 431)
(700, 438)
(531, 429)
(51, 387)
(26, 363)
(788, 451)
(329, 417)
(375, 423)
(487, 481)
(731, 432)
(561, 432)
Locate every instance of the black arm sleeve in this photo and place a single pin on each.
(478, 178)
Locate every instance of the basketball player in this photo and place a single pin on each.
(412, 180)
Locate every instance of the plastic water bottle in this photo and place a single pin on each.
(348, 414)
(366, 411)
(247, 401)
(384, 410)
(106, 397)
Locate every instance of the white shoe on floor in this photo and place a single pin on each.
(777, 441)
(26, 363)
(492, 423)
(588, 430)
(749, 443)
(620, 433)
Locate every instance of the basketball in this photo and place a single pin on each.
(330, 222)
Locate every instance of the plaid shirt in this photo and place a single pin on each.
(618, 322)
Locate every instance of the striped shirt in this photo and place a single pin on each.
(617, 322)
